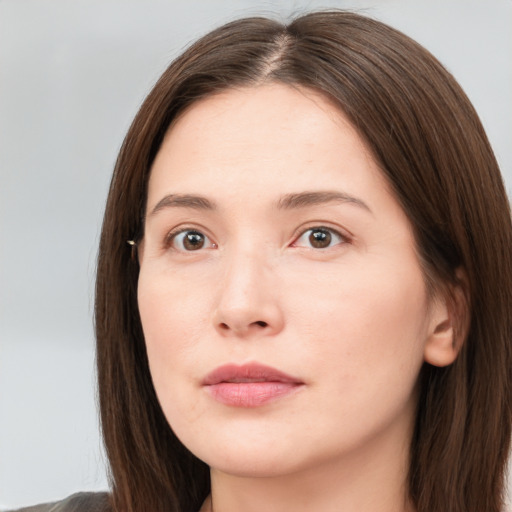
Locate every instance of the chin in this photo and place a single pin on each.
(249, 454)
(250, 464)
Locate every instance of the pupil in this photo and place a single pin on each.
(320, 238)
(193, 240)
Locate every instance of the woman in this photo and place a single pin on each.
(311, 312)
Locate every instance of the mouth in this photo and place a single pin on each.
(249, 385)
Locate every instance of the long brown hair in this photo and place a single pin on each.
(430, 144)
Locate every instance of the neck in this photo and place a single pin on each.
(371, 478)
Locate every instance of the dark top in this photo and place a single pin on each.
(81, 502)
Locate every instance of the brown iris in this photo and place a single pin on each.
(193, 240)
(320, 238)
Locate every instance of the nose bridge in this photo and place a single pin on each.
(244, 264)
(248, 300)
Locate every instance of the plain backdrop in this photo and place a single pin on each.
(72, 75)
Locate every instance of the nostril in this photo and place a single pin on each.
(226, 327)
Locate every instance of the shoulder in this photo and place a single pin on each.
(80, 502)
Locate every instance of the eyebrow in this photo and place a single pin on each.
(305, 199)
(286, 202)
(184, 201)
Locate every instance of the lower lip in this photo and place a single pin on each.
(251, 394)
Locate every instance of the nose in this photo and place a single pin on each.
(248, 303)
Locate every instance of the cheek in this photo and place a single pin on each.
(367, 327)
(364, 348)
(173, 319)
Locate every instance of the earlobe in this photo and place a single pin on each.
(449, 325)
(441, 348)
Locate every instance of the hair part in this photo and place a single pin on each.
(430, 145)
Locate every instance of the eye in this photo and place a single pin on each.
(320, 238)
(189, 240)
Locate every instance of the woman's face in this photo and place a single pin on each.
(283, 305)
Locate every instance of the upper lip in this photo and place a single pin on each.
(251, 372)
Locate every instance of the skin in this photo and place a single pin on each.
(352, 321)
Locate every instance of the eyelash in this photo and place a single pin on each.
(171, 237)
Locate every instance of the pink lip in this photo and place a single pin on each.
(249, 385)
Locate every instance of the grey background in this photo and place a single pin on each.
(72, 75)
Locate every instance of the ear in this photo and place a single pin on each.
(448, 323)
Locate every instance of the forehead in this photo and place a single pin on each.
(255, 136)
(256, 113)
(273, 102)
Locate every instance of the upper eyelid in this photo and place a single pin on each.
(343, 233)
(325, 228)
(186, 227)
